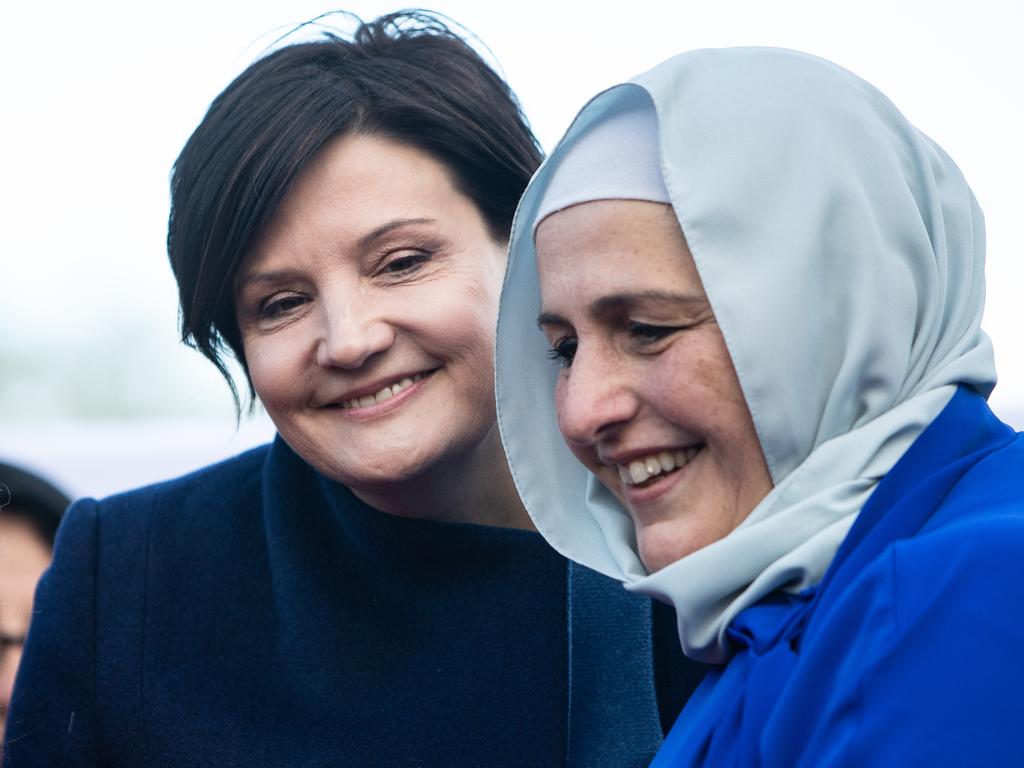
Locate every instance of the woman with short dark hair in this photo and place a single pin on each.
(404, 77)
(365, 590)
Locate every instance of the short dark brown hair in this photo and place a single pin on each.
(405, 76)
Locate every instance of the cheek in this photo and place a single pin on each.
(460, 316)
(696, 385)
(276, 370)
(484, 294)
(727, 406)
(713, 405)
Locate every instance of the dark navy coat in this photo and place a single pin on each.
(255, 613)
(909, 651)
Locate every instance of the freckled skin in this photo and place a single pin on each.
(23, 558)
(647, 372)
(357, 310)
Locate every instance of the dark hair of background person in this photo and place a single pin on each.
(29, 497)
(405, 76)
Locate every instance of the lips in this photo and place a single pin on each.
(644, 469)
(376, 393)
(384, 393)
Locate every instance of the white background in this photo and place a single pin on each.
(98, 98)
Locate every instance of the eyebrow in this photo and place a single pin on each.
(384, 229)
(618, 301)
(261, 277)
(364, 242)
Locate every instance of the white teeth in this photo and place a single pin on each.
(639, 470)
(384, 394)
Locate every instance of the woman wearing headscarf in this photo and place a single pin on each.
(762, 289)
(366, 590)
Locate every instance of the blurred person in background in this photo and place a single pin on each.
(368, 589)
(30, 511)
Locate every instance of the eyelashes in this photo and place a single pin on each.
(277, 307)
(563, 352)
(645, 333)
(642, 337)
(405, 264)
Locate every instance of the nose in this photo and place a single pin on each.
(594, 397)
(353, 332)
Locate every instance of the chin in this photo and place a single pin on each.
(388, 468)
(662, 544)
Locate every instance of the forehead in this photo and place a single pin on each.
(603, 246)
(351, 187)
(353, 165)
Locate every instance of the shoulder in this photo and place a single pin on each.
(929, 635)
(993, 484)
(970, 547)
(954, 586)
(204, 505)
(235, 473)
(948, 587)
(915, 659)
(210, 491)
(973, 545)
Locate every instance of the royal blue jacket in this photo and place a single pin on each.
(257, 614)
(909, 652)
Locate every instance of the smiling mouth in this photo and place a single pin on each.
(382, 395)
(648, 470)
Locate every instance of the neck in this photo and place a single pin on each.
(475, 487)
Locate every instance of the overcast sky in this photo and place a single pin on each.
(98, 98)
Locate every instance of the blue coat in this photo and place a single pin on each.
(908, 653)
(255, 613)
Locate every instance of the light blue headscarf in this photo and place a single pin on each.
(842, 252)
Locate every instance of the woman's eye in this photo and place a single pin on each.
(563, 351)
(405, 264)
(649, 334)
(277, 308)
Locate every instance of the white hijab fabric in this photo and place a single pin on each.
(617, 159)
(842, 252)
